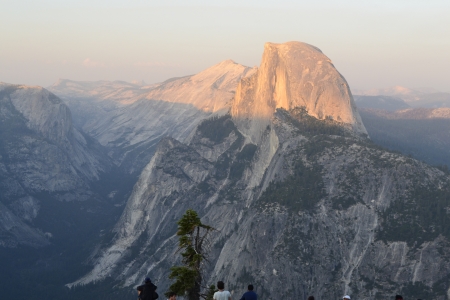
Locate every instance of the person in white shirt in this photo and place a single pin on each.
(221, 294)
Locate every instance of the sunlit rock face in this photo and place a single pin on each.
(209, 90)
(291, 75)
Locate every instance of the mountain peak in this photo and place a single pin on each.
(209, 91)
(291, 75)
(292, 45)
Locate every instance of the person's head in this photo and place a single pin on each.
(172, 296)
(250, 287)
(398, 297)
(311, 298)
(220, 285)
(147, 280)
(346, 297)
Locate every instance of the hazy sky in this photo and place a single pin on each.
(372, 43)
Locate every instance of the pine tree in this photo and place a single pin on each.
(194, 242)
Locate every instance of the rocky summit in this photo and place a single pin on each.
(303, 202)
(291, 75)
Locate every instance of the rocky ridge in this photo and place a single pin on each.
(427, 97)
(41, 154)
(131, 128)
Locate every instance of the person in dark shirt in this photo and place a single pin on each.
(250, 294)
(147, 291)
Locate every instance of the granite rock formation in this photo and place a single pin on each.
(42, 156)
(292, 75)
(130, 120)
(303, 202)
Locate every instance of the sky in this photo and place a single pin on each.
(373, 44)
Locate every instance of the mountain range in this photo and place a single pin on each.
(279, 159)
(425, 97)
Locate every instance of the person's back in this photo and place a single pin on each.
(250, 294)
(147, 290)
(221, 294)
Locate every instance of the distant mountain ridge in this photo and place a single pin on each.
(58, 191)
(131, 128)
(429, 98)
(40, 153)
(380, 102)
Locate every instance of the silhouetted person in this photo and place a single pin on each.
(221, 294)
(250, 294)
(398, 297)
(346, 297)
(147, 291)
(311, 298)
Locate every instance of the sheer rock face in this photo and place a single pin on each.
(291, 75)
(42, 158)
(51, 135)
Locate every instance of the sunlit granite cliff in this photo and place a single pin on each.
(291, 75)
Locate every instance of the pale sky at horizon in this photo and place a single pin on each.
(374, 44)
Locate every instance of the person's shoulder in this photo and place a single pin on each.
(228, 293)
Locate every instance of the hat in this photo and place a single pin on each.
(347, 297)
(147, 279)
